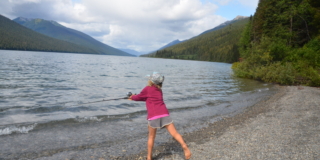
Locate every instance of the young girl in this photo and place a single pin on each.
(158, 114)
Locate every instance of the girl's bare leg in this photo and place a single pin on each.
(172, 130)
(151, 137)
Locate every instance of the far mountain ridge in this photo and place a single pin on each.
(239, 17)
(130, 51)
(55, 30)
(171, 44)
(225, 24)
(14, 36)
(216, 46)
(175, 42)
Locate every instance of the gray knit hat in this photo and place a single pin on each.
(156, 78)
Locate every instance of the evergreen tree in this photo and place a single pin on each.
(281, 43)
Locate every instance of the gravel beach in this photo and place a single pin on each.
(285, 126)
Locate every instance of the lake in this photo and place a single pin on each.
(45, 98)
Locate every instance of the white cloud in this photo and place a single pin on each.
(248, 3)
(147, 25)
(5, 9)
(92, 29)
(23, 1)
(222, 2)
(143, 25)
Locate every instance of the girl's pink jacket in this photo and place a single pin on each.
(154, 101)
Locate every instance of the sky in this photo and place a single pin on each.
(141, 25)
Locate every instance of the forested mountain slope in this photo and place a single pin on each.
(16, 37)
(225, 24)
(55, 30)
(152, 53)
(281, 43)
(219, 45)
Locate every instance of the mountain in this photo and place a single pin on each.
(58, 31)
(16, 37)
(151, 54)
(165, 46)
(219, 44)
(225, 24)
(171, 44)
(130, 51)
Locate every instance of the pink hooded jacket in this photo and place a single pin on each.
(156, 107)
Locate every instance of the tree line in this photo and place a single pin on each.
(281, 43)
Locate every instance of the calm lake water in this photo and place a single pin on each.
(43, 96)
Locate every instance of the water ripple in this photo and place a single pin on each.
(50, 87)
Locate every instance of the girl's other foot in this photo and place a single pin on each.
(187, 153)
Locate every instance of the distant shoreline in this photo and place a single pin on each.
(1, 49)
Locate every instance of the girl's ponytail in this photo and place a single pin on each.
(150, 83)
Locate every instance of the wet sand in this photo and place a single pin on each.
(285, 126)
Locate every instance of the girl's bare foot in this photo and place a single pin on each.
(187, 153)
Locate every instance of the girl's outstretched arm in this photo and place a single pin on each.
(142, 96)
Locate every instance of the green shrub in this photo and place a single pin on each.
(277, 72)
(278, 49)
(287, 73)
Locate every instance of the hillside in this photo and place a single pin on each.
(152, 53)
(224, 24)
(55, 30)
(219, 45)
(16, 37)
(171, 44)
(281, 43)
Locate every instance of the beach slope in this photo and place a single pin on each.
(286, 126)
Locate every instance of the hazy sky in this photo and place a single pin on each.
(142, 25)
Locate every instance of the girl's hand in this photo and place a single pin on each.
(130, 98)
